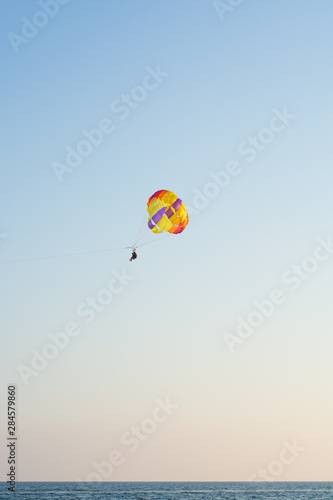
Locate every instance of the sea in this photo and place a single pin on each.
(169, 491)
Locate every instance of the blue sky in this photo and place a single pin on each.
(163, 335)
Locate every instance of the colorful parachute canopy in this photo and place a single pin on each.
(166, 212)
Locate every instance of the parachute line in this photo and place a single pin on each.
(63, 255)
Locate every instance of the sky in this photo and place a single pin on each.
(209, 357)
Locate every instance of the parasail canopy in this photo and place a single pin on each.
(167, 213)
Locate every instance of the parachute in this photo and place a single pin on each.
(167, 213)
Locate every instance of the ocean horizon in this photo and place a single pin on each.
(169, 490)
